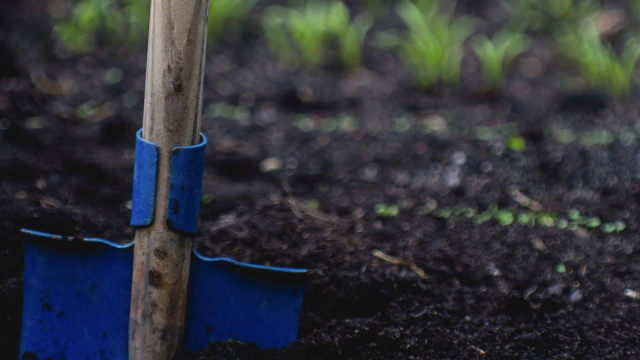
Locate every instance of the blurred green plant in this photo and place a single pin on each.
(226, 111)
(127, 21)
(384, 210)
(497, 54)
(227, 18)
(312, 28)
(431, 47)
(544, 15)
(516, 143)
(598, 63)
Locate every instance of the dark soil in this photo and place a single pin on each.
(491, 292)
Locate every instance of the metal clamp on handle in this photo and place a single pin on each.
(185, 184)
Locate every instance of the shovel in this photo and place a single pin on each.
(89, 298)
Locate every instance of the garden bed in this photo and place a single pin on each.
(297, 164)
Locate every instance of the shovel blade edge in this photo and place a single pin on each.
(246, 302)
(77, 295)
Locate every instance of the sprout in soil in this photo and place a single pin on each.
(608, 228)
(206, 199)
(444, 212)
(544, 15)
(547, 219)
(384, 210)
(226, 111)
(599, 63)
(482, 217)
(620, 225)
(516, 143)
(226, 19)
(592, 222)
(127, 22)
(504, 217)
(498, 53)
(573, 214)
(312, 28)
(469, 212)
(560, 268)
(562, 224)
(432, 46)
(573, 226)
(90, 19)
(524, 218)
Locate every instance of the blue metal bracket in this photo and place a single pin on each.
(145, 176)
(185, 184)
(77, 295)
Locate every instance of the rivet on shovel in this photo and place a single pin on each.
(80, 300)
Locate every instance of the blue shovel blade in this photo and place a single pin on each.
(77, 298)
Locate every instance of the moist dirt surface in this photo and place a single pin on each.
(455, 290)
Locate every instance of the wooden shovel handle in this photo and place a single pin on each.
(172, 112)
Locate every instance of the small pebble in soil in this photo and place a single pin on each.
(486, 167)
(555, 289)
(41, 184)
(452, 176)
(270, 164)
(369, 173)
(459, 158)
(630, 293)
(493, 270)
(575, 295)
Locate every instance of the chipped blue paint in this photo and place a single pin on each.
(185, 186)
(77, 294)
(145, 175)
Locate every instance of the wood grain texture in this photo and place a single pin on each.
(172, 111)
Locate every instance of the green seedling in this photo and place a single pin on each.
(109, 19)
(113, 76)
(127, 22)
(206, 199)
(469, 213)
(524, 218)
(516, 143)
(593, 222)
(598, 63)
(482, 217)
(312, 204)
(226, 111)
(497, 54)
(573, 214)
(562, 224)
(431, 47)
(227, 18)
(546, 219)
(545, 15)
(565, 136)
(312, 29)
(560, 268)
(597, 137)
(504, 217)
(384, 210)
(573, 226)
(620, 225)
(444, 212)
(608, 228)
